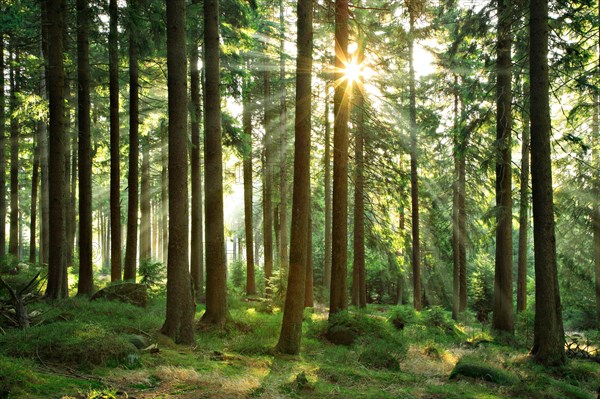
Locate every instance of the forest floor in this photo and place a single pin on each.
(82, 349)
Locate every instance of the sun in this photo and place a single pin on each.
(353, 71)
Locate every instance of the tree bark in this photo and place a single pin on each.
(44, 198)
(35, 180)
(548, 340)
(180, 304)
(523, 209)
(132, 179)
(248, 193)
(327, 255)
(164, 198)
(503, 305)
(309, 300)
(455, 232)
(268, 184)
(291, 327)
(115, 146)
(86, 278)
(54, 18)
(414, 176)
(339, 234)
(216, 269)
(197, 244)
(13, 243)
(283, 232)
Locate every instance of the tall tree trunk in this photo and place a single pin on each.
(283, 232)
(455, 232)
(72, 203)
(164, 198)
(523, 208)
(358, 284)
(548, 339)
(327, 255)
(339, 233)
(462, 221)
(54, 18)
(268, 184)
(13, 243)
(35, 180)
(2, 155)
(291, 327)
(414, 176)
(132, 178)
(197, 248)
(216, 269)
(503, 305)
(44, 198)
(180, 304)
(145, 229)
(596, 204)
(86, 279)
(115, 146)
(248, 193)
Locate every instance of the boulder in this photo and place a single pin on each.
(135, 294)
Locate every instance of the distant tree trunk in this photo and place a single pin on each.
(596, 204)
(86, 278)
(197, 247)
(503, 305)
(548, 339)
(54, 18)
(283, 182)
(132, 178)
(462, 221)
(455, 232)
(13, 243)
(2, 155)
(327, 255)
(35, 180)
(179, 323)
(358, 275)
(291, 327)
(268, 184)
(145, 229)
(309, 300)
(115, 146)
(72, 203)
(44, 198)
(523, 209)
(414, 176)
(339, 233)
(216, 269)
(248, 192)
(164, 198)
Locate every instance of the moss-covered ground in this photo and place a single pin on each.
(87, 349)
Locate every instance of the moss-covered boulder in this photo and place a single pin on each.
(135, 294)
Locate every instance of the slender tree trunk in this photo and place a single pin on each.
(248, 192)
(596, 204)
(291, 327)
(503, 305)
(327, 255)
(132, 179)
(523, 209)
(283, 229)
(455, 232)
(54, 18)
(35, 180)
(72, 203)
(462, 222)
(145, 229)
(44, 198)
(180, 304)
(2, 155)
(414, 177)
(115, 146)
(358, 283)
(268, 185)
(309, 300)
(164, 199)
(13, 243)
(216, 269)
(86, 280)
(339, 233)
(548, 340)
(197, 255)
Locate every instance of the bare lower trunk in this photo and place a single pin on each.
(248, 192)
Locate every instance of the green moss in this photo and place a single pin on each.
(482, 372)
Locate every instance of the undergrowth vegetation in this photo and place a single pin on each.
(84, 349)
